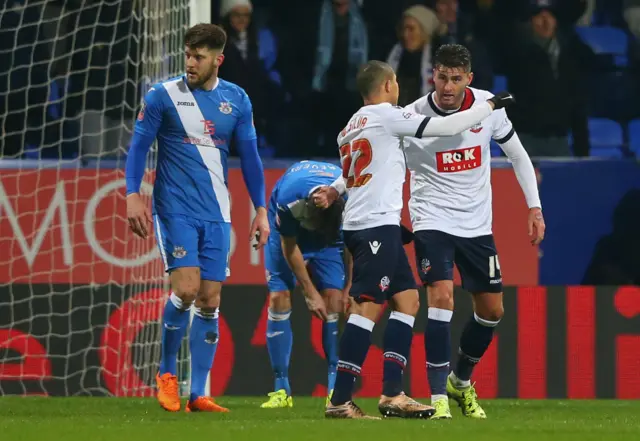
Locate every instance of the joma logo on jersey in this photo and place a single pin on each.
(186, 103)
(209, 127)
(459, 160)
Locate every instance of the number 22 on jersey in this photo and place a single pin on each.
(355, 156)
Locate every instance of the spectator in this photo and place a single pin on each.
(250, 62)
(411, 57)
(327, 44)
(457, 28)
(546, 72)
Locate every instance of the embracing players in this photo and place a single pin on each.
(373, 164)
(451, 215)
(194, 118)
(305, 244)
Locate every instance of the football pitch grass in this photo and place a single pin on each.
(121, 419)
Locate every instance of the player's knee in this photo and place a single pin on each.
(493, 314)
(208, 297)
(187, 292)
(280, 301)
(440, 295)
(407, 302)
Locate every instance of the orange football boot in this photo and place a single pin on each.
(205, 404)
(168, 395)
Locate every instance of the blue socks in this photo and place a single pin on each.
(279, 344)
(397, 344)
(330, 346)
(203, 342)
(354, 345)
(476, 338)
(437, 345)
(175, 321)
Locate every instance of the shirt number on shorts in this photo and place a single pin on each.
(494, 264)
(355, 157)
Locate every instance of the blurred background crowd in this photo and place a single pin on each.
(69, 85)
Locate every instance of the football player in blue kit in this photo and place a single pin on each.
(194, 118)
(305, 245)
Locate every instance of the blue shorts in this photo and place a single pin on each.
(475, 257)
(326, 267)
(188, 242)
(380, 265)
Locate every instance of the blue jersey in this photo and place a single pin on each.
(288, 200)
(194, 129)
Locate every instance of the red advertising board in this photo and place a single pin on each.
(69, 226)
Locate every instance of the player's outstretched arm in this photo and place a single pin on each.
(526, 175)
(327, 195)
(252, 171)
(144, 133)
(294, 258)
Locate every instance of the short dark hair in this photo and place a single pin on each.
(327, 221)
(453, 56)
(371, 75)
(205, 34)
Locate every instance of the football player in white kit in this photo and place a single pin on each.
(373, 164)
(450, 209)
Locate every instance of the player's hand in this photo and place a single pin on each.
(260, 228)
(138, 215)
(501, 100)
(536, 226)
(325, 196)
(316, 305)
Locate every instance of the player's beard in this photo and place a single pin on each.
(202, 79)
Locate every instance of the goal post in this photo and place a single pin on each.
(81, 297)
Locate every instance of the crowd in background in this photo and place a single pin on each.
(297, 60)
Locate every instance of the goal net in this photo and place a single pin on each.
(81, 298)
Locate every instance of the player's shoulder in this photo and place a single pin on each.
(480, 95)
(236, 91)
(157, 92)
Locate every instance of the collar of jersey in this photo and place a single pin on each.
(467, 102)
(215, 86)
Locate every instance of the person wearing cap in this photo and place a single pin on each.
(411, 57)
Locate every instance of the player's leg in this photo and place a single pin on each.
(213, 254)
(279, 346)
(434, 259)
(366, 302)
(280, 281)
(177, 240)
(327, 268)
(404, 302)
(479, 267)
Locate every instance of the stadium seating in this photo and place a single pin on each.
(606, 40)
(606, 138)
(499, 83)
(634, 137)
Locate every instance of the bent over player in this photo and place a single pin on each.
(451, 214)
(373, 165)
(194, 118)
(305, 245)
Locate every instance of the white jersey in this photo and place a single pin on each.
(451, 176)
(373, 164)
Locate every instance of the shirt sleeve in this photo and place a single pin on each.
(144, 134)
(523, 168)
(502, 128)
(401, 123)
(245, 129)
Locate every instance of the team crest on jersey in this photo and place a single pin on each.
(425, 265)
(477, 128)
(384, 283)
(179, 252)
(225, 107)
